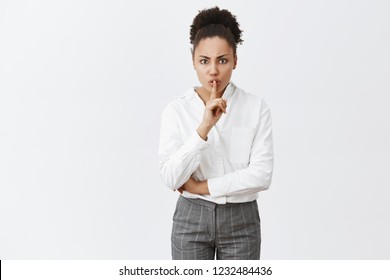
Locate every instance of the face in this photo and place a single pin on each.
(214, 59)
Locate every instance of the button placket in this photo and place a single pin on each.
(219, 151)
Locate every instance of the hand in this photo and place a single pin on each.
(194, 187)
(214, 107)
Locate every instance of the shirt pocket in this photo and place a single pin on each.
(240, 144)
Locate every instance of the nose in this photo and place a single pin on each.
(213, 69)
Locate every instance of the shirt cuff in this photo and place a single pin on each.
(195, 142)
(217, 186)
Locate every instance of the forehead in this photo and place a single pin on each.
(213, 47)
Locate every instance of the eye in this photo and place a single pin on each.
(203, 61)
(223, 61)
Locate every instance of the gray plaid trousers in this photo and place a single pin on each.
(203, 230)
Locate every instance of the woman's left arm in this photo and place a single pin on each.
(254, 178)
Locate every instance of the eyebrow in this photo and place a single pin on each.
(203, 56)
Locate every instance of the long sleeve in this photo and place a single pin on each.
(257, 175)
(178, 159)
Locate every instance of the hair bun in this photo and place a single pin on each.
(216, 16)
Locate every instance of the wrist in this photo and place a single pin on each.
(204, 187)
(203, 130)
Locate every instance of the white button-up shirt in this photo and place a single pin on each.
(236, 159)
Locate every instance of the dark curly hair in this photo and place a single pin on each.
(215, 22)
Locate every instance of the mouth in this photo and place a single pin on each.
(211, 82)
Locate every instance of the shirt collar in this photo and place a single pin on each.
(229, 90)
(226, 94)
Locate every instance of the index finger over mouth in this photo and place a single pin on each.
(214, 90)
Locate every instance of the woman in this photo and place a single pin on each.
(216, 150)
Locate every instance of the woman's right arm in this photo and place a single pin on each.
(178, 158)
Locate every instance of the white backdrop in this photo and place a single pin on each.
(82, 88)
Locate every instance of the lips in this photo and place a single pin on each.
(211, 82)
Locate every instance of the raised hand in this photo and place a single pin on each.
(214, 107)
(212, 113)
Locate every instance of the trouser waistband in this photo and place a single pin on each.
(211, 204)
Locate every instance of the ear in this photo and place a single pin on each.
(192, 55)
(235, 61)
